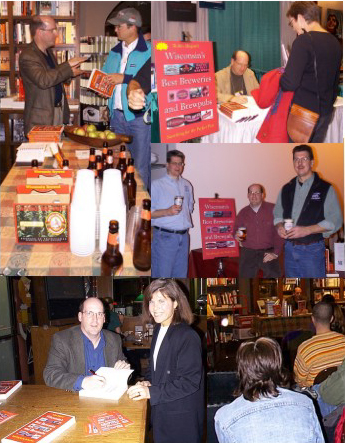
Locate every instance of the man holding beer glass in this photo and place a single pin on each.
(257, 236)
(172, 204)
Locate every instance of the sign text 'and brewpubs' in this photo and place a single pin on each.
(217, 219)
(186, 90)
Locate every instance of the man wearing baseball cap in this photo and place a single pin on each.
(122, 64)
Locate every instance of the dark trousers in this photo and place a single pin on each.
(251, 261)
(321, 129)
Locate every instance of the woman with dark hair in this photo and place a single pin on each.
(338, 322)
(266, 411)
(313, 49)
(175, 382)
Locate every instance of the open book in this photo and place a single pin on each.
(115, 387)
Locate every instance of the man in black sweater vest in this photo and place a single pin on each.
(312, 205)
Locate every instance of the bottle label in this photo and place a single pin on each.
(92, 158)
(130, 169)
(122, 154)
(113, 239)
(146, 215)
(99, 166)
(110, 160)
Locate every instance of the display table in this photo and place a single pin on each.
(245, 132)
(52, 258)
(32, 401)
(132, 346)
(199, 268)
(280, 326)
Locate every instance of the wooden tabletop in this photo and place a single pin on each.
(31, 401)
(52, 258)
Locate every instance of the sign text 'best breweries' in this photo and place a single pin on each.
(186, 90)
(217, 219)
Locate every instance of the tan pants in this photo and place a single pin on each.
(58, 116)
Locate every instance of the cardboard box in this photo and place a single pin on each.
(41, 223)
(49, 177)
(242, 333)
(243, 321)
(53, 194)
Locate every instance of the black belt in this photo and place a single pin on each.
(301, 243)
(171, 231)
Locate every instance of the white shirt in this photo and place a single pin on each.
(126, 50)
(161, 334)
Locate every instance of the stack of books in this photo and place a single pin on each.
(45, 134)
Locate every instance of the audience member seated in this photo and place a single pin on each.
(338, 323)
(266, 410)
(77, 350)
(325, 349)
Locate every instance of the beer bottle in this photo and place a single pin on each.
(65, 164)
(110, 160)
(104, 153)
(142, 242)
(99, 166)
(92, 159)
(112, 261)
(34, 163)
(121, 165)
(130, 185)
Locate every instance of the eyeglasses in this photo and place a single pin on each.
(50, 30)
(254, 193)
(301, 159)
(90, 314)
(176, 163)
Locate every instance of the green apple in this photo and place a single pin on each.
(92, 134)
(106, 132)
(111, 136)
(80, 131)
(91, 128)
(75, 130)
(101, 134)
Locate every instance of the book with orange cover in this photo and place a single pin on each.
(5, 415)
(8, 387)
(46, 133)
(42, 429)
(97, 82)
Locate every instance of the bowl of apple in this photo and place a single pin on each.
(88, 135)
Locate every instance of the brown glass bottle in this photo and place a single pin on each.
(34, 163)
(122, 165)
(112, 261)
(65, 164)
(104, 153)
(142, 242)
(92, 158)
(99, 166)
(110, 160)
(130, 185)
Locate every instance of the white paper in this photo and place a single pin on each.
(115, 387)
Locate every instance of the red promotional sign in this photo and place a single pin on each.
(217, 219)
(186, 90)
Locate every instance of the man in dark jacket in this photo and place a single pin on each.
(43, 78)
(312, 205)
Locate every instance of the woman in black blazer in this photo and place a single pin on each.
(175, 385)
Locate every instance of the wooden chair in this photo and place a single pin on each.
(325, 373)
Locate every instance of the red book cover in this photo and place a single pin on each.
(98, 83)
(5, 415)
(8, 387)
(43, 429)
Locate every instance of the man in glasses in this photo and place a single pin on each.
(236, 80)
(43, 78)
(76, 353)
(262, 245)
(123, 63)
(172, 204)
(306, 212)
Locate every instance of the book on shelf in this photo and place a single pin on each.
(4, 87)
(3, 9)
(5, 60)
(97, 82)
(8, 387)
(29, 8)
(4, 36)
(6, 415)
(18, 133)
(21, 34)
(115, 384)
(43, 429)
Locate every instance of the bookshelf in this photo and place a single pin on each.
(330, 285)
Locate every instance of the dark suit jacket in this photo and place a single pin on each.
(66, 360)
(39, 82)
(177, 391)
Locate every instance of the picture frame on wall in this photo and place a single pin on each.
(334, 23)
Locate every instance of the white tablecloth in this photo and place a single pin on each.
(231, 132)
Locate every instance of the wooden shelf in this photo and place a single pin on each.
(59, 18)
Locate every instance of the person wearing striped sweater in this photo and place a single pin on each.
(324, 350)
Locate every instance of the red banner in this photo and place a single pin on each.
(186, 90)
(217, 219)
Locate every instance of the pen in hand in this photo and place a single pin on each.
(92, 372)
